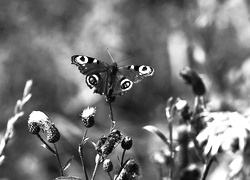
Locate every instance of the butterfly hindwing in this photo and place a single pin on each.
(98, 81)
(127, 75)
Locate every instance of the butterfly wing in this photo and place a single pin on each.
(107, 79)
(96, 72)
(88, 65)
(127, 75)
(136, 73)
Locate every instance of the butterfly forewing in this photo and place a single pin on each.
(88, 65)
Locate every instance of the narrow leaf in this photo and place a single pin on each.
(68, 163)
(17, 107)
(2, 159)
(68, 178)
(27, 88)
(26, 99)
(156, 131)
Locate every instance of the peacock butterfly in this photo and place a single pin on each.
(110, 80)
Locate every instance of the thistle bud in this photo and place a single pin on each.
(107, 165)
(53, 134)
(193, 79)
(127, 143)
(33, 128)
(88, 116)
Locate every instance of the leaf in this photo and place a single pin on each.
(156, 131)
(26, 99)
(2, 159)
(68, 163)
(27, 88)
(68, 178)
(93, 143)
(84, 141)
(17, 107)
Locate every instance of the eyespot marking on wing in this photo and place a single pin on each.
(146, 70)
(92, 80)
(125, 84)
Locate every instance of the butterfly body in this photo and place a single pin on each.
(110, 80)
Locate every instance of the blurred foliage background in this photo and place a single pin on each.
(38, 38)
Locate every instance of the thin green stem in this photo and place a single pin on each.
(81, 154)
(123, 155)
(58, 159)
(110, 176)
(111, 117)
(170, 127)
(96, 167)
(46, 144)
(205, 173)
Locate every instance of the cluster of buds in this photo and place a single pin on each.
(39, 121)
(105, 145)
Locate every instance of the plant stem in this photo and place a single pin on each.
(95, 169)
(58, 159)
(170, 127)
(123, 154)
(81, 154)
(46, 144)
(205, 173)
(110, 176)
(111, 117)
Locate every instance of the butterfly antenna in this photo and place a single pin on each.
(127, 58)
(110, 56)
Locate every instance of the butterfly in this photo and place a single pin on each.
(110, 80)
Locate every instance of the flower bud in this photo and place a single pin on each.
(107, 165)
(127, 143)
(88, 116)
(53, 134)
(192, 78)
(33, 128)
